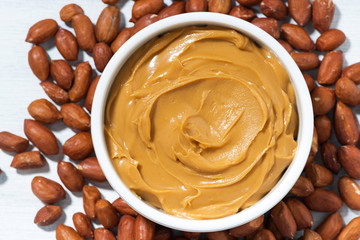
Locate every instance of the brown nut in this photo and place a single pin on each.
(41, 137)
(306, 60)
(269, 25)
(272, 227)
(319, 175)
(62, 73)
(345, 125)
(70, 176)
(330, 68)
(249, 3)
(297, 37)
(219, 6)
(287, 47)
(314, 147)
(84, 31)
(64, 232)
(143, 228)
(110, 2)
(103, 234)
(90, 94)
(323, 200)
(331, 226)
(145, 7)
(247, 228)
(351, 231)
(123, 208)
(28, 160)
(311, 235)
(300, 11)
(39, 62)
(329, 157)
(90, 169)
(42, 31)
(162, 233)
(66, 44)
(323, 128)
(123, 36)
(55, 93)
(44, 111)
(48, 191)
(349, 157)
(219, 235)
(301, 213)
(264, 234)
(108, 24)
(352, 72)
(349, 192)
(102, 55)
(274, 9)
(322, 14)
(126, 228)
(177, 7)
(82, 79)
(90, 196)
(323, 100)
(330, 40)
(75, 116)
(83, 225)
(284, 220)
(302, 188)
(144, 22)
(243, 13)
(347, 91)
(106, 213)
(190, 235)
(12, 143)
(78, 146)
(196, 6)
(310, 82)
(69, 11)
(48, 215)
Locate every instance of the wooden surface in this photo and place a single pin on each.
(18, 87)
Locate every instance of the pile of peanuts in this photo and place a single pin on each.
(334, 91)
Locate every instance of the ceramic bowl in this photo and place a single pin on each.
(304, 108)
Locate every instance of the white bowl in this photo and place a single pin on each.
(304, 108)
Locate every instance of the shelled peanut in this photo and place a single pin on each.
(63, 84)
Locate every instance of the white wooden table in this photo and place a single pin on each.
(18, 87)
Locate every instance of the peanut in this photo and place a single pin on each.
(42, 31)
(62, 73)
(106, 213)
(48, 215)
(12, 143)
(44, 111)
(90, 196)
(41, 137)
(78, 146)
(66, 44)
(48, 191)
(83, 225)
(39, 62)
(108, 24)
(28, 160)
(70, 176)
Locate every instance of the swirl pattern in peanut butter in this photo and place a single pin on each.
(201, 122)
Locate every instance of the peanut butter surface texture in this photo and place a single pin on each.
(201, 122)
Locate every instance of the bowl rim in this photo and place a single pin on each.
(304, 107)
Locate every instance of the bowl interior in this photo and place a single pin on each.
(304, 107)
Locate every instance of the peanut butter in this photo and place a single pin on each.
(201, 122)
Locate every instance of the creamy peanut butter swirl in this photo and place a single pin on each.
(201, 122)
